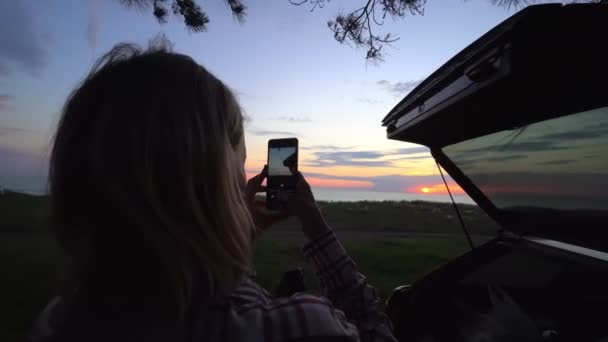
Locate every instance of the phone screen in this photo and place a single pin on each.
(282, 171)
(282, 161)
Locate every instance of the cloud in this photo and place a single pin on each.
(20, 45)
(326, 147)
(412, 150)
(416, 157)
(20, 163)
(9, 130)
(351, 155)
(326, 176)
(92, 31)
(359, 163)
(261, 132)
(413, 153)
(367, 158)
(367, 100)
(292, 119)
(349, 158)
(399, 88)
(4, 102)
(406, 150)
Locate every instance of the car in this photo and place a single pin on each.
(519, 120)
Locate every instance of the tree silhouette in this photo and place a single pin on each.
(355, 27)
(195, 18)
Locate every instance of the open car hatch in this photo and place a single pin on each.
(519, 119)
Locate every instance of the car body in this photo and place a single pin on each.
(519, 119)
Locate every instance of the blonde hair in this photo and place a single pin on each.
(145, 181)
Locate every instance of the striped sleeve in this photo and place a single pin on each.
(300, 317)
(347, 288)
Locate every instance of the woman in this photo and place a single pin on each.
(150, 203)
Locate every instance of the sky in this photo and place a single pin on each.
(290, 76)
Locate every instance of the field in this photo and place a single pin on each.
(393, 243)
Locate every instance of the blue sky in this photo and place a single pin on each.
(292, 78)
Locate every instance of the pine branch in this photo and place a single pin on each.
(195, 18)
(358, 27)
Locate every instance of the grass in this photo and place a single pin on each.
(386, 263)
(24, 213)
(32, 264)
(21, 213)
(406, 216)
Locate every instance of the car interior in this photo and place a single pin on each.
(519, 288)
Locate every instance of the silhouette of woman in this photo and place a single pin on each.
(151, 204)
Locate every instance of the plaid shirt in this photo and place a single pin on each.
(350, 308)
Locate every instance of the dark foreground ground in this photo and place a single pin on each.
(393, 243)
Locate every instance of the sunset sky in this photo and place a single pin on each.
(292, 79)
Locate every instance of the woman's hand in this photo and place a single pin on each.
(262, 217)
(302, 204)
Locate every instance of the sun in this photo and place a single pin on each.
(435, 189)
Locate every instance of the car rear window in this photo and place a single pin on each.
(561, 163)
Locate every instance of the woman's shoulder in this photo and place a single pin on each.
(252, 313)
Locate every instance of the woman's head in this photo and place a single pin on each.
(146, 175)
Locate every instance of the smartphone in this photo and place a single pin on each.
(282, 171)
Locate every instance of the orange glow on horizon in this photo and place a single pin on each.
(401, 168)
(332, 183)
(339, 183)
(422, 189)
(353, 171)
(436, 189)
